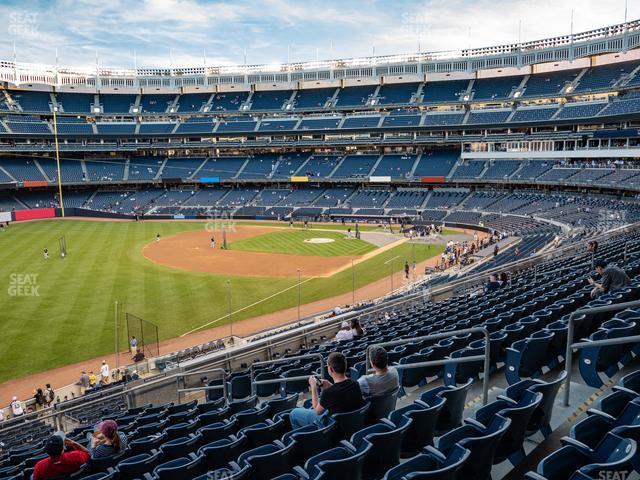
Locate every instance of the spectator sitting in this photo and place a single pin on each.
(384, 381)
(356, 328)
(59, 462)
(611, 278)
(106, 440)
(492, 284)
(343, 395)
(16, 407)
(504, 279)
(345, 332)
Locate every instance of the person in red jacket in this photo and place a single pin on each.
(60, 462)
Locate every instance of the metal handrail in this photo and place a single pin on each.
(485, 358)
(55, 412)
(222, 387)
(568, 358)
(254, 383)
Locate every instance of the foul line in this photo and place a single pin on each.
(391, 259)
(246, 307)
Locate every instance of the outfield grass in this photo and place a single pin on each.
(72, 317)
(292, 242)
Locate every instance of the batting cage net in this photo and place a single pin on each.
(146, 336)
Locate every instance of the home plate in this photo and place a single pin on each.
(319, 240)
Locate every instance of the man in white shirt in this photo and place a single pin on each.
(16, 407)
(104, 372)
(345, 332)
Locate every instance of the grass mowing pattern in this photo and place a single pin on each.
(71, 319)
(292, 242)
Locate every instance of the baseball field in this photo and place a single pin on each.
(59, 311)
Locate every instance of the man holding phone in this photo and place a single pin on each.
(343, 395)
(611, 278)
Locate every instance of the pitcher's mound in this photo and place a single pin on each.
(319, 240)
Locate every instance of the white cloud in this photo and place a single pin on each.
(268, 29)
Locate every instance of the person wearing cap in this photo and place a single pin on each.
(106, 440)
(16, 407)
(104, 372)
(612, 278)
(345, 332)
(59, 462)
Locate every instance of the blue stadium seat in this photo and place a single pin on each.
(450, 416)
(631, 381)
(574, 461)
(424, 417)
(541, 418)
(268, 389)
(268, 461)
(525, 358)
(179, 447)
(480, 441)
(341, 463)
(263, 432)
(184, 468)
(214, 416)
(251, 416)
(386, 440)
(137, 465)
(592, 429)
(309, 440)
(606, 359)
(218, 453)
(216, 431)
(146, 444)
(431, 465)
(181, 429)
(520, 413)
(350, 422)
(278, 405)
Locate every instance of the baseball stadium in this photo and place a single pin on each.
(402, 266)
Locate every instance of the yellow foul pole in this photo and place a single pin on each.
(55, 136)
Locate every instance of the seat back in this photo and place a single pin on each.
(350, 422)
(217, 454)
(339, 463)
(382, 405)
(422, 429)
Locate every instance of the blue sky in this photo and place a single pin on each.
(273, 31)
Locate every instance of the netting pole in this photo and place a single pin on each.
(116, 339)
(353, 284)
(229, 301)
(55, 136)
(298, 295)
